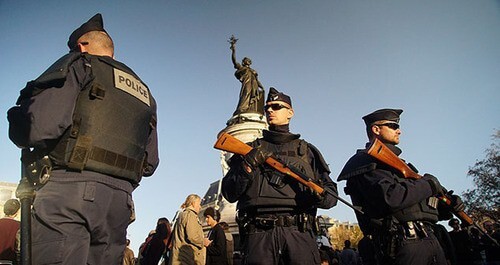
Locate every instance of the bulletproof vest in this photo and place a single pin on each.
(364, 164)
(112, 120)
(418, 212)
(272, 189)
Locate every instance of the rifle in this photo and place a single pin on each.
(229, 143)
(382, 153)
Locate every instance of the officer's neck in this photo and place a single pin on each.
(279, 134)
(285, 128)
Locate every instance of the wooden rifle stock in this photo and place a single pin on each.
(382, 153)
(229, 143)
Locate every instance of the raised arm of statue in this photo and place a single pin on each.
(233, 41)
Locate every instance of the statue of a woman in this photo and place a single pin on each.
(252, 91)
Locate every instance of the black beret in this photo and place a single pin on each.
(11, 206)
(383, 114)
(275, 95)
(94, 24)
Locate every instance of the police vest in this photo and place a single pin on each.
(418, 212)
(112, 120)
(364, 164)
(272, 189)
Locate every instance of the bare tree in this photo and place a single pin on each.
(484, 199)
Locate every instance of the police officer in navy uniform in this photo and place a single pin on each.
(94, 120)
(399, 213)
(275, 213)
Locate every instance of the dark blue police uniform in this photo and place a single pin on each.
(276, 214)
(399, 213)
(96, 121)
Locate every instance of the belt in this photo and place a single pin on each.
(272, 221)
(415, 230)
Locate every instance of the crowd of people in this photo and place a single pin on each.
(89, 123)
(184, 242)
(469, 246)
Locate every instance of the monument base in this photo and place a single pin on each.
(246, 126)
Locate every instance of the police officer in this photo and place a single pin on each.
(276, 213)
(95, 121)
(399, 213)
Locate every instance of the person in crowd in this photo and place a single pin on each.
(491, 243)
(447, 245)
(229, 242)
(215, 242)
(399, 213)
(10, 241)
(325, 260)
(276, 214)
(128, 255)
(461, 242)
(188, 240)
(348, 256)
(144, 244)
(326, 248)
(478, 256)
(90, 121)
(156, 244)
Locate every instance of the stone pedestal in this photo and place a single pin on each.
(246, 127)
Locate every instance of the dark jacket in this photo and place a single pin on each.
(216, 251)
(9, 239)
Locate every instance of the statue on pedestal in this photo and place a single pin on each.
(252, 92)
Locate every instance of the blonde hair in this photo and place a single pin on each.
(191, 198)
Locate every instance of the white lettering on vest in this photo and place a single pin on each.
(131, 85)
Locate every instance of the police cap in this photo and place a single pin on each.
(94, 24)
(275, 95)
(383, 114)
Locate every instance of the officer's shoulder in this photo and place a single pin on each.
(119, 65)
(58, 70)
(54, 76)
(358, 164)
(318, 157)
(312, 148)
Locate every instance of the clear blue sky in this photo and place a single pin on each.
(338, 60)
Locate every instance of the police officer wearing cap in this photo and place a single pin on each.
(399, 214)
(95, 121)
(275, 213)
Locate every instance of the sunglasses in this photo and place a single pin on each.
(275, 106)
(391, 125)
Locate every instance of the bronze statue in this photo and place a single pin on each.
(252, 92)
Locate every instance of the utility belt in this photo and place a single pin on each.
(405, 230)
(304, 222)
(412, 230)
(389, 237)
